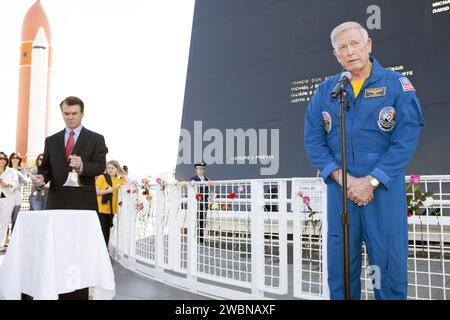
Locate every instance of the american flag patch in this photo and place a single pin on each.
(406, 84)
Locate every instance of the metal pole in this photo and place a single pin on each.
(345, 214)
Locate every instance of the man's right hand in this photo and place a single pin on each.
(337, 176)
(352, 187)
(38, 180)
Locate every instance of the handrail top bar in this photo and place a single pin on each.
(423, 178)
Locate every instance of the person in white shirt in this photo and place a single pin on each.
(9, 183)
(15, 162)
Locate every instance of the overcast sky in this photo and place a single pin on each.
(127, 60)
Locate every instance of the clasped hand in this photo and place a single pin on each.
(359, 190)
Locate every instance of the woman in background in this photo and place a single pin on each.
(9, 183)
(38, 195)
(107, 186)
(15, 162)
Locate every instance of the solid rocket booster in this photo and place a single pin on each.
(34, 21)
(38, 96)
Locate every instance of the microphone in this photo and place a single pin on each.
(345, 79)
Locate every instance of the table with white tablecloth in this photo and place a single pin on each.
(53, 252)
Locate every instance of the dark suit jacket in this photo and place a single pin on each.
(202, 190)
(90, 146)
(197, 178)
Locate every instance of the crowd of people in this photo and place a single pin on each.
(13, 175)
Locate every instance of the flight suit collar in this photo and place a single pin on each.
(376, 74)
(366, 104)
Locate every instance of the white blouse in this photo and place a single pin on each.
(11, 177)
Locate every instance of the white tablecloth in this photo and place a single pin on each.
(56, 251)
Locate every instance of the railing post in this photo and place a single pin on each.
(283, 235)
(117, 223)
(191, 213)
(131, 224)
(174, 194)
(296, 231)
(282, 197)
(324, 221)
(125, 225)
(159, 233)
(257, 237)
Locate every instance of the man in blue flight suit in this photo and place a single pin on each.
(383, 124)
(203, 202)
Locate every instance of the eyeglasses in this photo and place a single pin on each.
(6, 159)
(16, 157)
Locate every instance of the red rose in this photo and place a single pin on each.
(409, 213)
(198, 196)
(128, 191)
(144, 193)
(120, 203)
(232, 195)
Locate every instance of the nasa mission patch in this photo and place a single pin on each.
(386, 119)
(327, 121)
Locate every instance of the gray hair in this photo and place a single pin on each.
(346, 26)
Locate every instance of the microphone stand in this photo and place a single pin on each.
(345, 214)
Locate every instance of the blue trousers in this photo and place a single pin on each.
(382, 225)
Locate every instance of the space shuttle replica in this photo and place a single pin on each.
(34, 84)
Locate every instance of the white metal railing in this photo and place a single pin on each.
(257, 239)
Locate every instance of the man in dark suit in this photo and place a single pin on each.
(203, 202)
(74, 148)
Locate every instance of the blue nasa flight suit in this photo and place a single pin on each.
(383, 125)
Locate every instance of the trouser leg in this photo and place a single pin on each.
(37, 202)
(105, 226)
(386, 236)
(335, 247)
(14, 215)
(6, 207)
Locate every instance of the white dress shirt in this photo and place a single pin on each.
(76, 134)
(76, 131)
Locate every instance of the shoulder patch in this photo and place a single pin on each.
(386, 119)
(406, 84)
